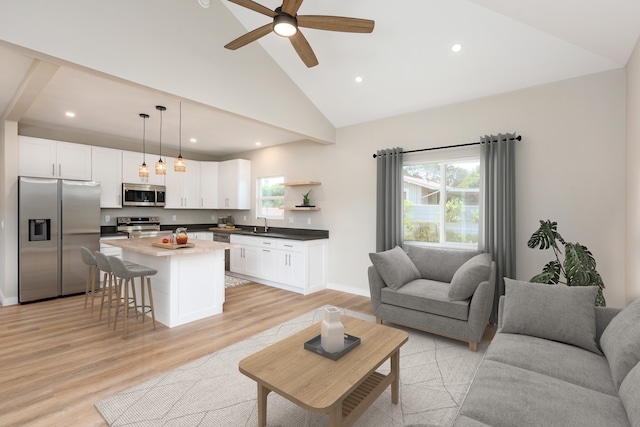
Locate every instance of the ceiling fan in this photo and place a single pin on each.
(286, 22)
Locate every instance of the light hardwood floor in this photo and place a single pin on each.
(57, 360)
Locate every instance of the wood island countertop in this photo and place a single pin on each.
(143, 246)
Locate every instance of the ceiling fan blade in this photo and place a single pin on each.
(301, 45)
(336, 23)
(255, 7)
(251, 36)
(291, 7)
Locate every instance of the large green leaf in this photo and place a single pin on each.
(550, 274)
(580, 267)
(545, 237)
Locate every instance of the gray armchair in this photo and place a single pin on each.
(446, 292)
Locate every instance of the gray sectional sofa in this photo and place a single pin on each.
(447, 292)
(557, 360)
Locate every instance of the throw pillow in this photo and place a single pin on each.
(555, 312)
(395, 267)
(466, 279)
(620, 341)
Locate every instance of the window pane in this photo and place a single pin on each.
(442, 202)
(270, 197)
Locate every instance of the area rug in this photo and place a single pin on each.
(435, 374)
(232, 281)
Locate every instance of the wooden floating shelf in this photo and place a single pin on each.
(300, 209)
(294, 184)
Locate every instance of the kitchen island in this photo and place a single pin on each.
(190, 282)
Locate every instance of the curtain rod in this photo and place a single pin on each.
(518, 138)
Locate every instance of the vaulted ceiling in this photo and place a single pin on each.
(406, 63)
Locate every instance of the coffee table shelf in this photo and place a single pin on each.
(362, 397)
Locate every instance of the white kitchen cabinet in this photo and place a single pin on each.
(183, 188)
(234, 184)
(203, 235)
(106, 168)
(209, 185)
(132, 160)
(46, 158)
(298, 266)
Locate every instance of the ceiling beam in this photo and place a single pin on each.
(34, 82)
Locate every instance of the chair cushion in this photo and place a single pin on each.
(438, 263)
(395, 267)
(428, 296)
(465, 281)
(630, 395)
(620, 341)
(554, 312)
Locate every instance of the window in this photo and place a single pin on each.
(441, 201)
(270, 197)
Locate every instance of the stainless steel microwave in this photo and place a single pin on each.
(143, 195)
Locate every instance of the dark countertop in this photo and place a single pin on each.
(301, 234)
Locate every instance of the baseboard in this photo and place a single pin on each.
(349, 289)
(7, 301)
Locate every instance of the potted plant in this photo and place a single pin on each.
(305, 199)
(578, 268)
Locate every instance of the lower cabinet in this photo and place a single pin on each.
(299, 266)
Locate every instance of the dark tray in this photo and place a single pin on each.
(350, 342)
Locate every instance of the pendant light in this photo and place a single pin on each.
(180, 164)
(143, 169)
(161, 167)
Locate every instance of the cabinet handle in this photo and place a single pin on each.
(53, 169)
(59, 169)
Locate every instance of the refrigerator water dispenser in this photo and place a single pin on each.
(39, 230)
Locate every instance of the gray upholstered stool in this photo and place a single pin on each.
(90, 288)
(109, 286)
(126, 273)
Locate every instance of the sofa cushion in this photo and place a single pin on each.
(438, 263)
(630, 395)
(555, 312)
(505, 395)
(395, 267)
(558, 360)
(620, 341)
(428, 296)
(466, 279)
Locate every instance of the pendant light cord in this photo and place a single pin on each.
(180, 136)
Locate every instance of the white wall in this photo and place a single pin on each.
(632, 277)
(570, 168)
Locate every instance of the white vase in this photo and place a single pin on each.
(332, 331)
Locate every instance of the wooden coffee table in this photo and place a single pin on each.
(344, 388)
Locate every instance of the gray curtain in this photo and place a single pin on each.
(497, 165)
(389, 199)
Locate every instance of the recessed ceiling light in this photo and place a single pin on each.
(193, 140)
(70, 114)
(456, 47)
(359, 79)
(258, 143)
(204, 3)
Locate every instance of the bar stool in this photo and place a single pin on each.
(109, 286)
(90, 288)
(126, 273)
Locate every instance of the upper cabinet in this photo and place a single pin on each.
(106, 168)
(209, 185)
(45, 158)
(234, 184)
(183, 188)
(130, 163)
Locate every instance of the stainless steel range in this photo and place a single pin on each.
(148, 226)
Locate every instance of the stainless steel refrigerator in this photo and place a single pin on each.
(55, 218)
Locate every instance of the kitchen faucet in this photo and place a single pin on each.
(266, 229)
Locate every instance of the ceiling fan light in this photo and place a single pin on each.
(285, 25)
